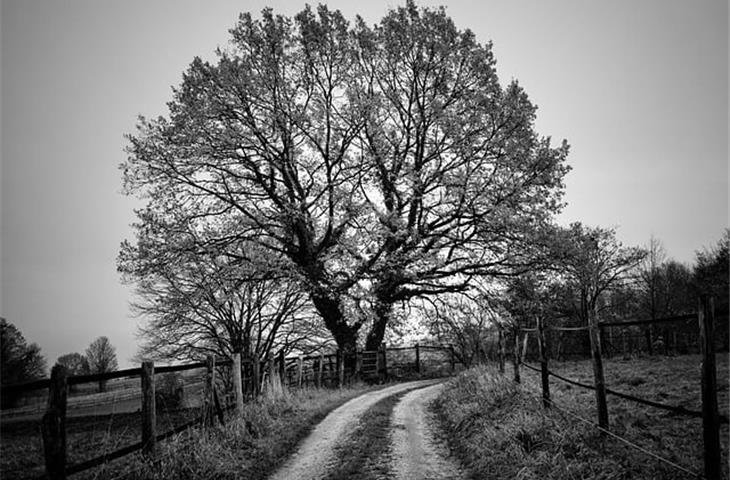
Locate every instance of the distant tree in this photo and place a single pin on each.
(102, 358)
(594, 262)
(75, 363)
(19, 362)
(711, 272)
(465, 321)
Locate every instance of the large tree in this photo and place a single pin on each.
(459, 178)
(384, 159)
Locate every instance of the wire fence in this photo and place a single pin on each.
(707, 343)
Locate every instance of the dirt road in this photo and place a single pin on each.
(416, 452)
(311, 460)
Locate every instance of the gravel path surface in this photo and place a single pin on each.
(416, 452)
(312, 458)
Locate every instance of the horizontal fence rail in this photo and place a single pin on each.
(256, 375)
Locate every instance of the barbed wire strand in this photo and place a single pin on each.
(617, 437)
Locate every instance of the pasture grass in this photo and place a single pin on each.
(499, 429)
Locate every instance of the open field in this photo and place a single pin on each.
(21, 447)
(499, 429)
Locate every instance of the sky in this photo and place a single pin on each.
(639, 90)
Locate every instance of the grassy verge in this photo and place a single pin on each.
(500, 431)
(250, 447)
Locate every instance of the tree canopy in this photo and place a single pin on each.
(20, 362)
(372, 164)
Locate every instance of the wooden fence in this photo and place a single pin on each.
(247, 379)
(707, 341)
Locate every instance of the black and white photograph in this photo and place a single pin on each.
(386, 240)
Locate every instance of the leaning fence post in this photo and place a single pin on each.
(340, 368)
(256, 375)
(516, 355)
(452, 358)
(710, 414)
(149, 413)
(500, 353)
(300, 371)
(320, 369)
(237, 382)
(542, 348)
(53, 425)
(282, 368)
(598, 378)
(208, 400)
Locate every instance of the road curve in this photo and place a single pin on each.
(316, 452)
(416, 453)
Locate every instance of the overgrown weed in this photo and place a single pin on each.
(250, 446)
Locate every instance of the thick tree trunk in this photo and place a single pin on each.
(383, 308)
(331, 311)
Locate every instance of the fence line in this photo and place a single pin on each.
(710, 415)
(623, 440)
(671, 408)
(276, 370)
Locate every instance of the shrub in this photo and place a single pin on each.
(169, 391)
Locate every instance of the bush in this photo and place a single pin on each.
(169, 391)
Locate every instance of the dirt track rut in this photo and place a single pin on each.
(417, 454)
(314, 455)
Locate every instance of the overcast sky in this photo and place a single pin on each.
(638, 88)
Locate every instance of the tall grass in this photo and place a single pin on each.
(500, 431)
(250, 446)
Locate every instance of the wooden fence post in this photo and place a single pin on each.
(208, 399)
(320, 370)
(358, 364)
(516, 355)
(598, 378)
(542, 348)
(500, 353)
(340, 368)
(237, 383)
(300, 371)
(282, 367)
(418, 359)
(452, 359)
(256, 375)
(53, 425)
(149, 409)
(523, 353)
(710, 414)
(385, 360)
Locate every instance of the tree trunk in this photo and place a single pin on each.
(383, 308)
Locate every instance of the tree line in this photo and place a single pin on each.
(22, 362)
